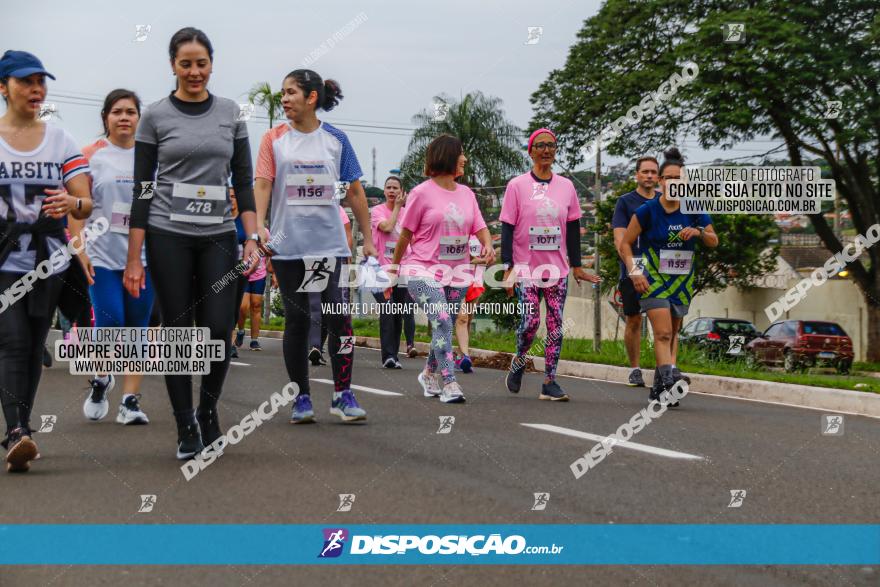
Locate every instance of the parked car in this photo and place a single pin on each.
(719, 337)
(800, 344)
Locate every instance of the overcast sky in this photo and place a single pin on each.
(390, 66)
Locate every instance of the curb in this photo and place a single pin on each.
(841, 401)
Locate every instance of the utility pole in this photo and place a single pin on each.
(838, 222)
(374, 165)
(597, 309)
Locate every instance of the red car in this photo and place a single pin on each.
(800, 344)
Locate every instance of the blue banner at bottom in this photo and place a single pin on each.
(267, 544)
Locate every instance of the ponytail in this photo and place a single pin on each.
(329, 92)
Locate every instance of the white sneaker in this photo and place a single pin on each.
(97, 405)
(130, 412)
(452, 393)
(429, 384)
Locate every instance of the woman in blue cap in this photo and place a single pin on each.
(42, 180)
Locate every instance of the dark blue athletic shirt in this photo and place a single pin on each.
(626, 206)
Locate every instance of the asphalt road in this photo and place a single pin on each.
(502, 449)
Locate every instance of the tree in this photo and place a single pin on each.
(492, 144)
(797, 56)
(262, 95)
(741, 255)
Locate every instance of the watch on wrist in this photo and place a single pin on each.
(253, 237)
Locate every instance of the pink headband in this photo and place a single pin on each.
(536, 133)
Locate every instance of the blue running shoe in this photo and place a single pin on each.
(347, 408)
(466, 365)
(302, 410)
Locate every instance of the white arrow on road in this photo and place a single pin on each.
(360, 387)
(663, 452)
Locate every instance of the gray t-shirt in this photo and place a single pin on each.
(194, 165)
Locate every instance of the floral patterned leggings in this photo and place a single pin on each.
(441, 305)
(554, 297)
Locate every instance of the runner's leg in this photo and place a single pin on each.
(297, 319)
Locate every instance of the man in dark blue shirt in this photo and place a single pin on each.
(647, 175)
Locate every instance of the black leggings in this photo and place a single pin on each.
(21, 351)
(184, 268)
(392, 323)
(297, 321)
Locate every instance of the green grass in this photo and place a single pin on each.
(614, 353)
(866, 366)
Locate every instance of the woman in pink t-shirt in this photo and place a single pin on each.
(440, 217)
(385, 220)
(540, 243)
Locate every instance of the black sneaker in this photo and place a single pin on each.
(678, 376)
(551, 391)
(239, 338)
(47, 357)
(515, 375)
(663, 395)
(255, 345)
(233, 352)
(316, 357)
(656, 390)
(209, 425)
(389, 363)
(189, 441)
(22, 450)
(635, 378)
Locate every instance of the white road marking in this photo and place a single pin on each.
(662, 452)
(239, 364)
(360, 387)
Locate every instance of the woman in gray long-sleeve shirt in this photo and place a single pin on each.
(187, 145)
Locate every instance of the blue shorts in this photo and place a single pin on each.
(257, 287)
(114, 306)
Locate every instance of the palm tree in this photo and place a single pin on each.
(492, 144)
(262, 95)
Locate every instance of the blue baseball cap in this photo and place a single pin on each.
(21, 64)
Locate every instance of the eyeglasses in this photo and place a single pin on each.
(542, 146)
